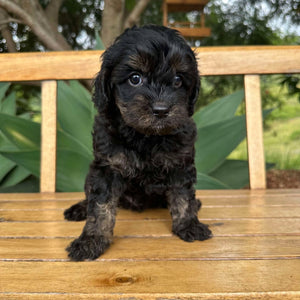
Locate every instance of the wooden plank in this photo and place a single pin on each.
(248, 60)
(256, 159)
(172, 248)
(206, 213)
(231, 207)
(206, 202)
(247, 193)
(48, 137)
(211, 60)
(215, 195)
(152, 228)
(41, 196)
(45, 65)
(122, 277)
(185, 5)
(156, 296)
(193, 31)
(275, 196)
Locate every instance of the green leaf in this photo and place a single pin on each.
(22, 133)
(28, 159)
(6, 166)
(29, 185)
(9, 104)
(5, 144)
(234, 173)
(215, 142)
(205, 182)
(71, 167)
(74, 116)
(67, 142)
(14, 177)
(3, 88)
(25, 135)
(219, 110)
(99, 43)
(82, 94)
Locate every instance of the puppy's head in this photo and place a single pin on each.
(150, 74)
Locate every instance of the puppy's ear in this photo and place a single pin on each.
(194, 96)
(102, 90)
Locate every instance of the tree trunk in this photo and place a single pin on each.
(32, 14)
(135, 14)
(112, 20)
(6, 33)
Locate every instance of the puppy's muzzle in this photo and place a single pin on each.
(160, 110)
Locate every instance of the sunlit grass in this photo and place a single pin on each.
(281, 139)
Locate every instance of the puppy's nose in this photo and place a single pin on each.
(160, 110)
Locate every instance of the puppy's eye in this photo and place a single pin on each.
(177, 82)
(135, 79)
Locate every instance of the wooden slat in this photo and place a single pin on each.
(212, 203)
(41, 196)
(156, 296)
(153, 228)
(238, 204)
(186, 5)
(211, 60)
(48, 137)
(248, 60)
(172, 248)
(256, 159)
(219, 196)
(206, 213)
(166, 277)
(45, 65)
(194, 31)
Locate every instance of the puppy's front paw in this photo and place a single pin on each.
(76, 212)
(191, 230)
(87, 247)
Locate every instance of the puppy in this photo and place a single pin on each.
(143, 138)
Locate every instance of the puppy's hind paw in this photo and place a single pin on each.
(87, 247)
(76, 212)
(192, 230)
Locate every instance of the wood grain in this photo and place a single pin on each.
(221, 196)
(48, 137)
(254, 121)
(37, 213)
(108, 277)
(255, 256)
(169, 248)
(158, 296)
(153, 228)
(211, 60)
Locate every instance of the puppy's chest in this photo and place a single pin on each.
(160, 156)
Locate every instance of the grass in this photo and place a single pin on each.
(281, 138)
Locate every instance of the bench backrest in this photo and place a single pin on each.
(250, 61)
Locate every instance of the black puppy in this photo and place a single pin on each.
(143, 138)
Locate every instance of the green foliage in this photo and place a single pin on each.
(99, 43)
(220, 131)
(292, 82)
(20, 142)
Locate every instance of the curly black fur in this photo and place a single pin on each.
(143, 138)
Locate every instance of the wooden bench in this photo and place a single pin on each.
(254, 253)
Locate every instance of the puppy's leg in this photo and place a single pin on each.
(102, 196)
(76, 212)
(184, 207)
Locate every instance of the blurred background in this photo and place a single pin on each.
(62, 25)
